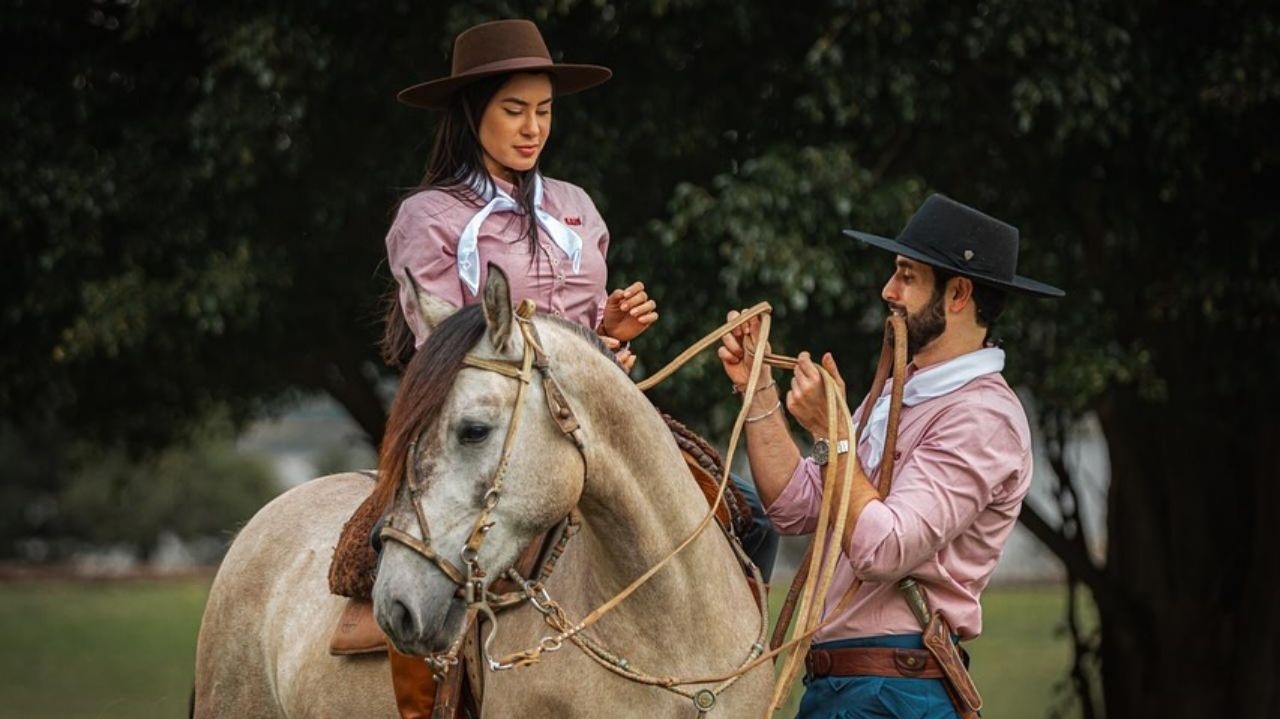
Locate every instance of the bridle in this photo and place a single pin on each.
(471, 579)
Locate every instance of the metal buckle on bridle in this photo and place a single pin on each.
(538, 596)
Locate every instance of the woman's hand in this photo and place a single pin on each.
(807, 399)
(628, 313)
(737, 350)
(620, 353)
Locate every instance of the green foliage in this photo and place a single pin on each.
(197, 190)
(191, 492)
(68, 495)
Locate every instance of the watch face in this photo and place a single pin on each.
(821, 452)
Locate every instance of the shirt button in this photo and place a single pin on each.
(557, 313)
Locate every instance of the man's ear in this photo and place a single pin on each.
(959, 291)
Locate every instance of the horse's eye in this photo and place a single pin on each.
(473, 433)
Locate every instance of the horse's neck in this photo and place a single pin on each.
(639, 504)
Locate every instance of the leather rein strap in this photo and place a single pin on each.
(810, 588)
(827, 536)
(472, 581)
(890, 355)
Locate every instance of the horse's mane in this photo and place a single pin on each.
(426, 383)
(427, 380)
(587, 335)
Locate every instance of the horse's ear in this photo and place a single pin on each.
(433, 310)
(497, 307)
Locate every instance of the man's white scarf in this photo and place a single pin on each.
(926, 384)
(468, 254)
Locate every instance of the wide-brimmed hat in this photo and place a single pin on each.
(946, 234)
(497, 48)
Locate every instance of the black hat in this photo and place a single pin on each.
(954, 237)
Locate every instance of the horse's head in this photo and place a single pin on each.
(449, 469)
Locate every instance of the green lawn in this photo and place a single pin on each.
(125, 650)
(1021, 660)
(101, 650)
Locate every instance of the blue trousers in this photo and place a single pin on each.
(875, 697)
(761, 541)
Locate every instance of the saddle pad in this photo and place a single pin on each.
(357, 631)
(355, 565)
(709, 486)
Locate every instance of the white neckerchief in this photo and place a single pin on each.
(468, 254)
(926, 384)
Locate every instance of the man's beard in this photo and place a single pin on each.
(926, 325)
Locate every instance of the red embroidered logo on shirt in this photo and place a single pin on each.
(573, 220)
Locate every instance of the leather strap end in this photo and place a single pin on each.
(937, 639)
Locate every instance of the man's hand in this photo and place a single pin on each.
(807, 399)
(628, 313)
(737, 351)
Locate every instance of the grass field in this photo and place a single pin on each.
(98, 650)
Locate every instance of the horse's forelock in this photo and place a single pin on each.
(427, 380)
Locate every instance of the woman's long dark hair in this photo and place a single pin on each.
(456, 166)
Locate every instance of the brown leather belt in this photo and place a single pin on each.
(872, 662)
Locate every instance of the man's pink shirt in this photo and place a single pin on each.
(424, 238)
(963, 468)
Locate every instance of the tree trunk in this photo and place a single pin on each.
(345, 378)
(1192, 532)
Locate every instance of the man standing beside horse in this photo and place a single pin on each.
(961, 470)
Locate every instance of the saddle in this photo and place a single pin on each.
(355, 564)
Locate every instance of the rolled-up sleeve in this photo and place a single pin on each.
(422, 240)
(940, 489)
(795, 509)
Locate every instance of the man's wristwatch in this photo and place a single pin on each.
(822, 450)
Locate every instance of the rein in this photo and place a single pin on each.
(817, 571)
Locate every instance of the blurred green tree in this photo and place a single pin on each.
(195, 198)
(64, 495)
(191, 491)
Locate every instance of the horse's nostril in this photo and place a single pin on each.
(402, 620)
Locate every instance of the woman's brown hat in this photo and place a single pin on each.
(497, 48)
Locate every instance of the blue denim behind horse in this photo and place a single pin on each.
(875, 697)
(761, 541)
